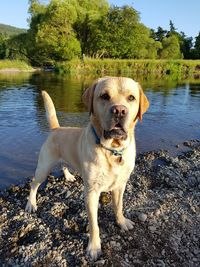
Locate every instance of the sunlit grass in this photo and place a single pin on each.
(14, 65)
(137, 66)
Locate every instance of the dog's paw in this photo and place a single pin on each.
(31, 207)
(68, 176)
(126, 224)
(94, 251)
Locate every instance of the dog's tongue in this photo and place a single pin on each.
(115, 134)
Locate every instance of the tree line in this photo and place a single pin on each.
(62, 30)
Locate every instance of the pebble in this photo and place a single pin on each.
(192, 181)
(180, 193)
(163, 252)
(196, 251)
(157, 212)
(184, 217)
(152, 228)
(100, 262)
(142, 217)
(68, 194)
(117, 244)
(160, 263)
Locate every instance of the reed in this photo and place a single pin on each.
(120, 66)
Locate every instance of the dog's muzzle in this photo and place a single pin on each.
(116, 131)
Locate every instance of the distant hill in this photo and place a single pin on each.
(10, 30)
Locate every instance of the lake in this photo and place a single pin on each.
(173, 116)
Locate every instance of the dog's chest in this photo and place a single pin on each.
(108, 178)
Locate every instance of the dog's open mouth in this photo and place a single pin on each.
(117, 132)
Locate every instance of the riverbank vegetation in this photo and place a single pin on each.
(14, 65)
(77, 34)
(136, 66)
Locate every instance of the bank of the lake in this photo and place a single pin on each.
(127, 66)
(15, 66)
(176, 68)
(161, 198)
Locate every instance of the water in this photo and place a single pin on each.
(173, 117)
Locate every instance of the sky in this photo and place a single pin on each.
(185, 14)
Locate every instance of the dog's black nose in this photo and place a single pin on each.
(119, 110)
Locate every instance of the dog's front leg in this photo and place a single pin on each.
(94, 245)
(117, 198)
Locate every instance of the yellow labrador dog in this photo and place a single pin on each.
(103, 152)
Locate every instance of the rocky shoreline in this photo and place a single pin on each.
(162, 199)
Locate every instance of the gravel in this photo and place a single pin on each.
(162, 198)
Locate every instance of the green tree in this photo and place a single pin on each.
(153, 49)
(186, 44)
(16, 47)
(160, 34)
(89, 12)
(172, 28)
(171, 48)
(2, 47)
(56, 36)
(196, 51)
(37, 12)
(51, 31)
(119, 34)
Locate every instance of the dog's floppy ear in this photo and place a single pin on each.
(88, 96)
(144, 103)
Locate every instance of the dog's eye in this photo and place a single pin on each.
(131, 98)
(105, 96)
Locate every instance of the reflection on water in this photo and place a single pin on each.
(173, 117)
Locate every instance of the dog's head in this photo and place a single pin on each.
(115, 104)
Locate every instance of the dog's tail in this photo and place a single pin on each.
(50, 111)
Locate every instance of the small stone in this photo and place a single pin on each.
(100, 262)
(68, 194)
(184, 217)
(59, 258)
(152, 228)
(187, 143)
(113, 243)
(192, 181)
(142, 217)
(163, 252)
(180, 193)
(84, 262)
(196, 251)
(160, 263)
(26, 259)
(157, 212)
(104, 198)
(21, 213)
